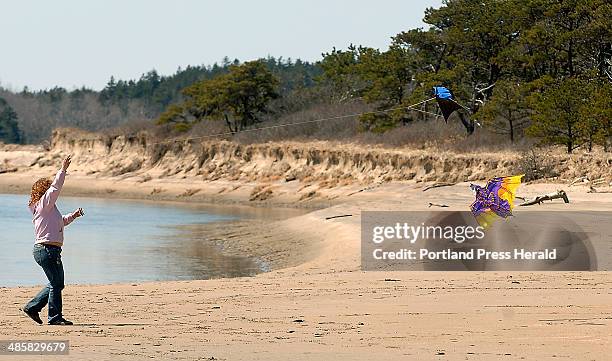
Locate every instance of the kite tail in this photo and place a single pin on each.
(486, 219)
(468, 124)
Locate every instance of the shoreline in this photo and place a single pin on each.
(254, 219)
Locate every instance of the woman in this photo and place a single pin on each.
(49, 229)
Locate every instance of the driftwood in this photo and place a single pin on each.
(8, 170)
(590, 182)
(189, 192)
(578, 180)
(340, 216)
(593, 190)
(547, 197)
(437, 185)
(359, 191)
(365, 189)
(599, 181)
(437, 205)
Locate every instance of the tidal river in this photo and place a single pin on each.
(117, 241)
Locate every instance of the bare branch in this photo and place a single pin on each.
(437, 205)
(437, 185)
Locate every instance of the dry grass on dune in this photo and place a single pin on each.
(340, 128)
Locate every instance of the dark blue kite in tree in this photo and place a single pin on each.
(448, 104)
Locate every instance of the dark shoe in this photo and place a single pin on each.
(33, 315)
(61, 322)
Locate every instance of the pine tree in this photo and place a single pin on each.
(9, 128)
(557, 113)
(238, 97)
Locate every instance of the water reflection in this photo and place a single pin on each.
(124, 241)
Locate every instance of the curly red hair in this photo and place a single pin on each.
(38, 190)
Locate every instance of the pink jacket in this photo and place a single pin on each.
(48, 221)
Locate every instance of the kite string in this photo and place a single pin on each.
(409, 107)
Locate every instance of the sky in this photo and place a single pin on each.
(74, 43)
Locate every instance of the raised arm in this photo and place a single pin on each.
(51, 195)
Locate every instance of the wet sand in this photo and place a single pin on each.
(317, 305)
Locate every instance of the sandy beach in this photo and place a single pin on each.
(316, 303)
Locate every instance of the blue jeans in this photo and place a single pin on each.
(50, 259)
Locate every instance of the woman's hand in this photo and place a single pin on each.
(66, 162)
(79, 213)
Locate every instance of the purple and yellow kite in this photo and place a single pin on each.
(495, 200)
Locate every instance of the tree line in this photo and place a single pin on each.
(541, 68)
(37, 113)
